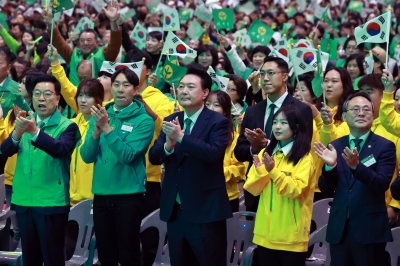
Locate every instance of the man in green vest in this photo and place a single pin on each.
(44, 142)
(7, 85)
(88, 44)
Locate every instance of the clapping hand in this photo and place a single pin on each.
(351, 157)
(329, 156)
(268, 162)
(100, 115)
(173, 130)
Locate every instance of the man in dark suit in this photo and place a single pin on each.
(44, 144)
(194, 201)
(257, 122)
(358, 226)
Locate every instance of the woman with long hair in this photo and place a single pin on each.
(355, 66)
(234, 170)
(282, 175)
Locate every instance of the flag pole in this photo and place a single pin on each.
(52, 29)
(237, 112)
(297, 78)
(159, 60)
(322, 84)
(173, 88)
(387, 43)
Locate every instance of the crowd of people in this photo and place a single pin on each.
(90, 112)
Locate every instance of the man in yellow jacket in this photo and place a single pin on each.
(158, 106)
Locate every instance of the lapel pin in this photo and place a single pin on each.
(369, 146)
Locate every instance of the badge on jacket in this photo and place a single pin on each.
(368, 161)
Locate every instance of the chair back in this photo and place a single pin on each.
(153, 220)
(393, 248)
(321, 210)
(320, 254)
(239, 236)
(82, 213)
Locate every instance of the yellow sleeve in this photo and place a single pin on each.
(162, 110)
(390, 119)
(68, 90)
(234, 170)
(329, 133)
(292, 186)
(5, 127)
(318, 121)
(257, 178)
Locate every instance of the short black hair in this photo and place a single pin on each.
(6, 52)
(30, 33)
(357, 94)
(40, 24)
(22, 61)
(20, 26)
(129, 74)
(282, 65)
(96, 36)
(155, 34)
(30, 74)
(373, 80)
(41, 49)
(260, 49)
(205, 49)
(206, 81)
(48, 78)
(137, 55)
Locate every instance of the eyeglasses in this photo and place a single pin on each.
(46, 94)
(231, 89)
(269, 73)
(356, 111)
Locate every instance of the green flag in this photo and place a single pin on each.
(185, 15)
(17, 99)
(291, 11)
(3, 20)
(260, 32)
(96, 66)
(318, 81)
(355, 6)
(223, 18)
(341, 40)
(195, 30)
(326, 16)
(246, 8)
(172, 73)
(62, 5)
(330, 46)
(286, 27)
(30, 2)
(203, 13)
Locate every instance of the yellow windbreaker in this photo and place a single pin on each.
(160, 105)
(318, 162)
(81, 173)
(234, 170)
(390, 119)
(284, 211)
(5, 131)
(68, 90)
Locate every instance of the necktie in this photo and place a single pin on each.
(268, 125)
(188, 122)
(40, 124)
(357, 144)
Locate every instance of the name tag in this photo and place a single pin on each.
(127, 128)
(368, 161)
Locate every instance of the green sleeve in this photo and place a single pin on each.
(36, 58)
(9, 40)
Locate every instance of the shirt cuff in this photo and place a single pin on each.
(36, 136)
(329, 168)
(168, 152)
(16, 142)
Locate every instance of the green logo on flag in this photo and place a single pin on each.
(168, 72)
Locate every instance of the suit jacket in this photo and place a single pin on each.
(195, 169)
(359, 195)
(254, 118)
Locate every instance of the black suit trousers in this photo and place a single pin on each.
(42, 237)
(203, 244)
(351, 253)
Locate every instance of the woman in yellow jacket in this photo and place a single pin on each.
(283, 174)
(337, 87)
(90, 93)
(234, 170)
